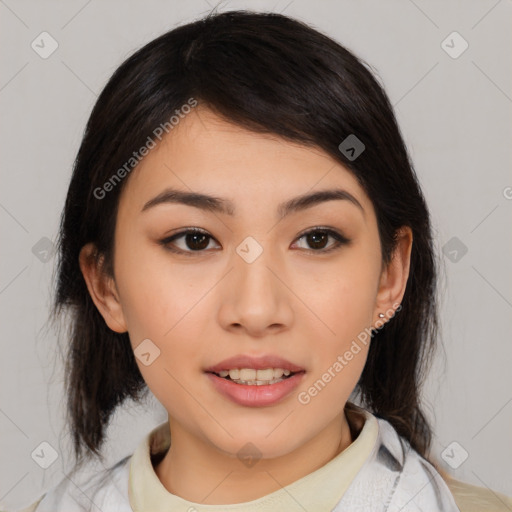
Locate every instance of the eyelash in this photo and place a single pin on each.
(338, 237)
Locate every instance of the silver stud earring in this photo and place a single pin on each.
(381, 315)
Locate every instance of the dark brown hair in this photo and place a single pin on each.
(271, 74)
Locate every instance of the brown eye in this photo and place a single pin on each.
(191, 240)
(197, 241)
(317, 240)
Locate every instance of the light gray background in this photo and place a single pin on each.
(455, 115)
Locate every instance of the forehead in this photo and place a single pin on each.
(205, 153)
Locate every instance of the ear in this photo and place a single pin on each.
(393, 278)
(102, 288)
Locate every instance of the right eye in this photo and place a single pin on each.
(193, 240)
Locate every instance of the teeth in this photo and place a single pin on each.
(267, 374)
(255, 377)
(258, 382)
(245, 374)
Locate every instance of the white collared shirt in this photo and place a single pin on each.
(378, 471)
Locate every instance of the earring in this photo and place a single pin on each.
(381, 315)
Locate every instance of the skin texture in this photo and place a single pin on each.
(301, 303)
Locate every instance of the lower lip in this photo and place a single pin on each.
(255, 396)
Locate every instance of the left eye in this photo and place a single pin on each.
(317, 239)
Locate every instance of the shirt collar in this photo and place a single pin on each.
(320, 490)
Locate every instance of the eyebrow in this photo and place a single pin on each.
(225, 206)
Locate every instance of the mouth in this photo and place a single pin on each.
(255, 381)
(253, 377)
(255, 392)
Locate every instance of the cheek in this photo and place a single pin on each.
(161, 306)
(345, 304)
(163, 303)
(153, 295)
(342, 294)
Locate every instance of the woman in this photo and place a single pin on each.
(244, 236)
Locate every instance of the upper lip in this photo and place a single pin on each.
(256, 362)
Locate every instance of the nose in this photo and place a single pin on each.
(255, 297)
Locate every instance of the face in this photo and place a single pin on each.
(257, 279)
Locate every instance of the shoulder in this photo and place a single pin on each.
(421, 483)
(472, 498)
(396, 478)
(106, 489)
(30, 508)
(417, 485)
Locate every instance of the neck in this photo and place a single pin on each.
(192, 469)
